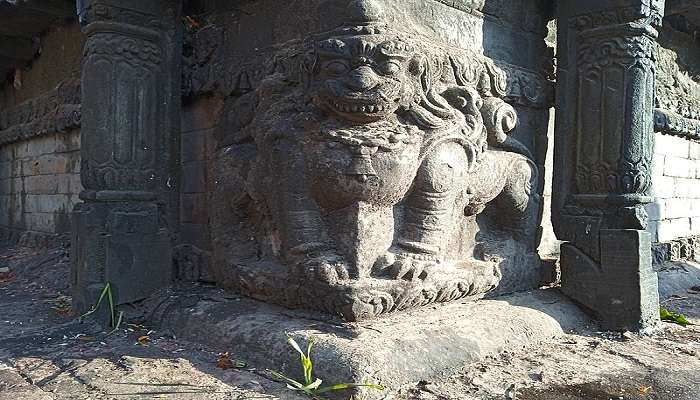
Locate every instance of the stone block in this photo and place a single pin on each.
(194, 208)
(22, 150)
(63, 182)
(695, 150)
(68, 142)
(195, 234)
(670, 229)
(621, 290)
(672, 146)
(193, 146)
(58, 163)
(5, 169)
(653, 229)
(679, 167)
(76, 185)
(654, 209)
(5, 186)
(664, 187)
(41, 184)
(194, 177)
(42, 145)
(6, 153)
(47, 203)
(676, 208)
(40, 222)
(657, 167)
(695, 225)
(204, 113)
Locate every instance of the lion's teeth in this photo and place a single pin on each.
(370, 109)
(363, 109)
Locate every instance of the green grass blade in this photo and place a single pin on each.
(308, 364)
(344, 386)
(97, 305)
(119, 322)
(112, 317)
(296, 385)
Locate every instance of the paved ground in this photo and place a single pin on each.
(46, 354)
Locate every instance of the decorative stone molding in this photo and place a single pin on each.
(670, 123)
(209, 70)
(55, 111)
(683, 249)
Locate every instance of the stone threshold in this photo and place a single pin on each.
(429, 343)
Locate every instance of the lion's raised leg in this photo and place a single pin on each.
(519, 203)
(429, 214)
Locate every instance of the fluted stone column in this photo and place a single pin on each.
(123, 230)
(604, 142)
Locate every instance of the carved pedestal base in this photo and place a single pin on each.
(355, 300)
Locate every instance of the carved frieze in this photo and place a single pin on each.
(55, 111)
(208, 69)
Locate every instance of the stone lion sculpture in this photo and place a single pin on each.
(355, 173)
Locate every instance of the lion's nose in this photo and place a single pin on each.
(362, 78)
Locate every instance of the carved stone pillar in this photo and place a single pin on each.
(603, 156)
(131, 97)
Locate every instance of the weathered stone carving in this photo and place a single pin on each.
(55, 111)
(129, 145)
(371, 171)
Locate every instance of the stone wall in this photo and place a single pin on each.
(675, 213)
(40, 141)
(39, 184)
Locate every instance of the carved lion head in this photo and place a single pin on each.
(362, 78)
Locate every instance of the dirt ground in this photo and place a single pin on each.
(45, 353)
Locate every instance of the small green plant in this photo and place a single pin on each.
(114, 320)
(311, 385)
(673, 317)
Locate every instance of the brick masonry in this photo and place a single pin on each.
(675, 212)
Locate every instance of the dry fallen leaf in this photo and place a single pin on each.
(644, 389)
(143, 340)
(225, 362)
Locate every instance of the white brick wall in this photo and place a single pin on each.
(675, 212)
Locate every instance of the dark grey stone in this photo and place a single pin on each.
(129, 149)
(603, 156)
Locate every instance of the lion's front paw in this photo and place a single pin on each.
(404, 265)
(328, 268)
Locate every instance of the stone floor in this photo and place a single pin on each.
(46, 354)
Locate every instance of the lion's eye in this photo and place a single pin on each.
(389, 67)
(336, 67)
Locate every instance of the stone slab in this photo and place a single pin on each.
(426, 343)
